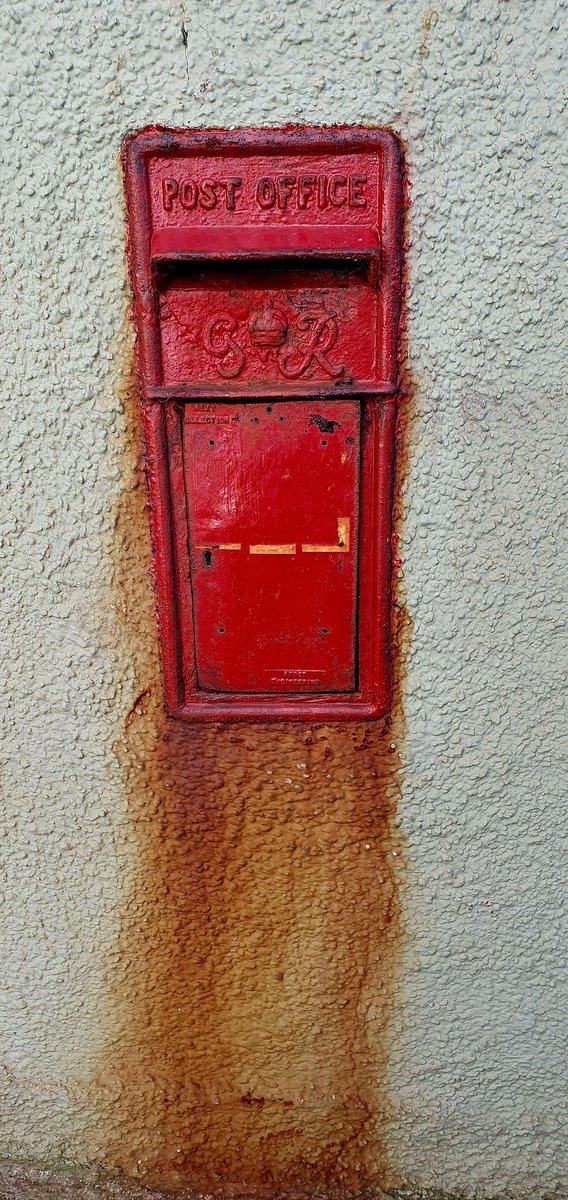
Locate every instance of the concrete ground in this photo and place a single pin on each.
(25, 1182)
(22, 1182)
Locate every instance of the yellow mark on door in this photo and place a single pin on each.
(342, 547)
(288, 548)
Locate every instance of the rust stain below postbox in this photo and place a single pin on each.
(257, 965)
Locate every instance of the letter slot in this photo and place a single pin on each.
(266, 276)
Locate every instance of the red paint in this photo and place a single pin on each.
(266, 266)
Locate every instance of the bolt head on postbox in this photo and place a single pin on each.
(266, 275)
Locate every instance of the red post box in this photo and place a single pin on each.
(266, 275)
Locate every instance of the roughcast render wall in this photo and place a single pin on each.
(475, 1069)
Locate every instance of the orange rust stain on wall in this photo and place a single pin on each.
(260, 945)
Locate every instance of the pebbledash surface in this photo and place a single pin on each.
(266, 270)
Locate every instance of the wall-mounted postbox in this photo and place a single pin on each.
(266, 274)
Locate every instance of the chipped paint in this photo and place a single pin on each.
(342, 547)
(288, 548)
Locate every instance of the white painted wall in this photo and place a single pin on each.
(478, 1068)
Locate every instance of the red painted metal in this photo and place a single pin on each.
(266, 275)
(273, 505)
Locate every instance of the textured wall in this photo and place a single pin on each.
(458, 1044)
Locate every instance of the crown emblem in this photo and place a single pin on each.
(267, 327)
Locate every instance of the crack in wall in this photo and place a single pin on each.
(184, 37)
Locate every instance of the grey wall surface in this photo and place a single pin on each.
(478, 1057)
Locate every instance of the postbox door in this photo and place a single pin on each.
(272, 495)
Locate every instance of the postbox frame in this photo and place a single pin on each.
(161, 409)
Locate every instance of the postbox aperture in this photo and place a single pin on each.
(266, 273)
